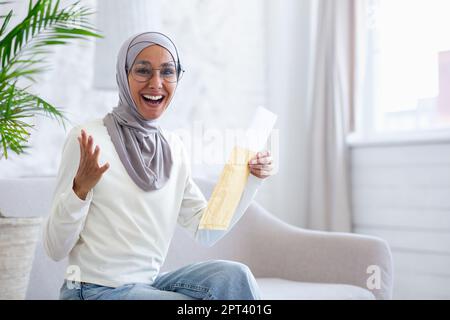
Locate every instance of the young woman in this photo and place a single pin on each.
(123, 185)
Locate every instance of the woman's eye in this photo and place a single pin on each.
(168, 71)
(144, 71)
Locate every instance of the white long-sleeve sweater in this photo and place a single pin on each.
(120, 234)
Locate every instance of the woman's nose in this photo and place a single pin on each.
(155, 80)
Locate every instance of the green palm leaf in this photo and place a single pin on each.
(23, 50)
(19, 105)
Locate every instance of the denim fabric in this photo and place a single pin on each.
(210, 280)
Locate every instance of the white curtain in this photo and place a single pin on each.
(311, 83)
(331, 99)
(287, 38)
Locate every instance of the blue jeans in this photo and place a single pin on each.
(211, 280)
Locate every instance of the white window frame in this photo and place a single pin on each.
(365, 122)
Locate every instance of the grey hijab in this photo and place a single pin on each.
(141, 147)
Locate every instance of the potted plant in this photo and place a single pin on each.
(23, 49)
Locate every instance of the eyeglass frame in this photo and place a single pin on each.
(179, 70)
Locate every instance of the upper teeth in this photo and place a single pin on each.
(152, 97)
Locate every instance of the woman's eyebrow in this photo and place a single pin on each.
(148, 62)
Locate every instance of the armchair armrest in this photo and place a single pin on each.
(284, 251)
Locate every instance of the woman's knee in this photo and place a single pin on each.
(236, 281)
(232, 272)
(234, 269)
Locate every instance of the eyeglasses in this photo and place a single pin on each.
(142, 72)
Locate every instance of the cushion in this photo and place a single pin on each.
(280, 289)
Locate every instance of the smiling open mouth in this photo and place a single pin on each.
(152, 100)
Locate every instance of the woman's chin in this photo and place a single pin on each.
(151, 113)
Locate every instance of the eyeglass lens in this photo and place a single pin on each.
(143, 71)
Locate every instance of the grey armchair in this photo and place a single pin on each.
(288, 262)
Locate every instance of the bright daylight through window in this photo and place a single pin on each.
(407, 87)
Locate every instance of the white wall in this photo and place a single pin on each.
(401, 193)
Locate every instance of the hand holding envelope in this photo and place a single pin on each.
(261, 165)
(243, 160)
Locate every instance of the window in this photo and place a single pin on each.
(407, 77)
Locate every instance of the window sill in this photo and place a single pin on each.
(399, 139)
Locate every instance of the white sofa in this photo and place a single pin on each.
(288, 262)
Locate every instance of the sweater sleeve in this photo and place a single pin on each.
(194, 206)
(68, 212)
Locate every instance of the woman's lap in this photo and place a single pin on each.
(216, 279)
(135, 291)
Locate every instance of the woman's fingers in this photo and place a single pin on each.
(83, 141)
(263, 154)
(260, 173)
(89, 171)
(88, 153)
(261, 165)
(96, 153)
(267, 167)
(89, 146)
(83, 137)
(87, 142)
(262, 160)
(104, 168)
(81, 147)
(265, 160)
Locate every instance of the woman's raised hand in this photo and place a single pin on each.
(89, 171)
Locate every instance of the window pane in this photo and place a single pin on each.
(412, 56)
